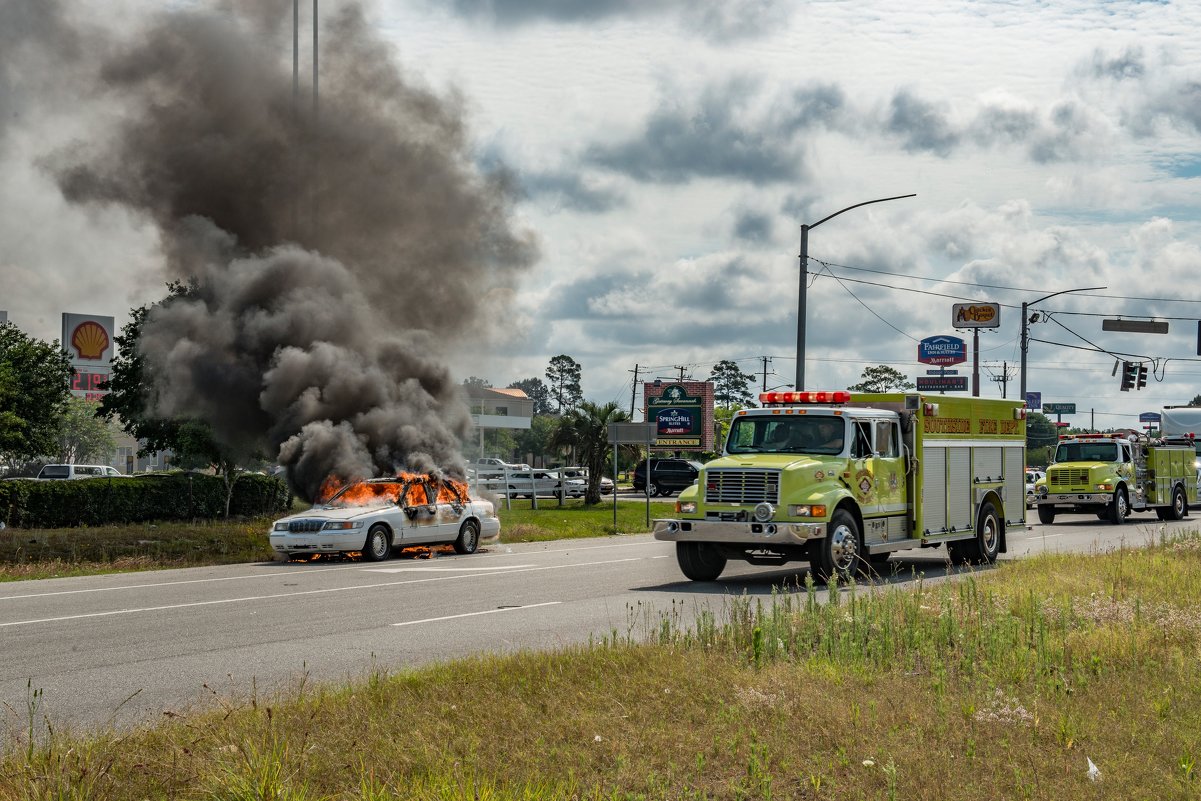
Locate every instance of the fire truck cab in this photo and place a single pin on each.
(844, 479)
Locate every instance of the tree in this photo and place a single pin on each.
(83, 434)
(1196, 401)
(131, 398)
(1041, 438)
(479, 383)
(536, 391)
(586, 429)
(881, 378)
(563, 375)
(35, 381)
(536, 440)
(731, 385)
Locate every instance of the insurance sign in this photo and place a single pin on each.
(942, 350)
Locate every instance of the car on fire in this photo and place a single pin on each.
(375, 516)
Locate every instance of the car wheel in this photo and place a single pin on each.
(666, 493)
(1046, 514)
(652, 490)
(1119, 507)
(378, 547)
(469, 537)
(700, 561)
(838, 553)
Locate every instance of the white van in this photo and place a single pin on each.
(68, 471)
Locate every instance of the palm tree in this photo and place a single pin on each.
(586, 429)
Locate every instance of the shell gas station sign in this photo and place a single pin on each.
(88, 340)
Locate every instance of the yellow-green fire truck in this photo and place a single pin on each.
(1112, 475)
(842, 479)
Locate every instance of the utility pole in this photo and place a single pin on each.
(681, 369)
(1003, 378)
(633, 390)
(766, 360)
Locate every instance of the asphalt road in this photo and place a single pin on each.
(130, 648)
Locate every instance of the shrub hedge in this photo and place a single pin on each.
(134, 499)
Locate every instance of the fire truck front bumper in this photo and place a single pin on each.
(1074, 498)
(742, 533)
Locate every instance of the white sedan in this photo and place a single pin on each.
(375, 516)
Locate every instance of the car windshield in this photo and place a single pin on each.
(816, 434)
(1088, 452)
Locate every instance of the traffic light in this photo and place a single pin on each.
(1142, 377)
(1129, 375)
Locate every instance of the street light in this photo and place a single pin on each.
(1025, 338)
(800, 322)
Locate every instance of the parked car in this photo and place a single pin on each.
(667, 476)
(69, 471)
(606, 483)
(377, 515)
(490, 463)
(1032, 476)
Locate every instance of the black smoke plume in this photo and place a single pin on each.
(337, 260)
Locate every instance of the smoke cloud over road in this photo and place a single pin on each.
(336, 261)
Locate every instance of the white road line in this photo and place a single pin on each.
(298, 593)
(473, 614)
(303, 571)
(443, 569)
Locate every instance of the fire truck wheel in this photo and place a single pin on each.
(988, 536)
(377, 548)
(838, 553)
(1046, 514)
(1179, 505)
(469, 537)
(699, 561)
(1119, 507)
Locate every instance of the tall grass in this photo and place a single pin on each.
(998, 685)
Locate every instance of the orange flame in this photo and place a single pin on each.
(415, 486)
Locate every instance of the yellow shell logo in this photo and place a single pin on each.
(89, 340)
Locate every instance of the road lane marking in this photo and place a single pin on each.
(473, 614)
(441, 569)
(311, 571)
(275, 596)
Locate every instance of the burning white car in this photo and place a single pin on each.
(375, 516)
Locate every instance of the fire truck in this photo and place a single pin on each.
(844, 479)
(1112, 475)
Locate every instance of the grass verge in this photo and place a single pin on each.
(1003, 684)
(53, 553)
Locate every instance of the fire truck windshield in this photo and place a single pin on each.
(1088, 452)
(817, 434)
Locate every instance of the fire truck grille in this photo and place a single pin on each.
(742, 486)
(1067, 477)
(296, 526)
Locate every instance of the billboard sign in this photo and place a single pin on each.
(88, 341)
(938, 384)
(3, 317)
(682, 413)
(976, 315)
(1034, 401)
(1149, 417)
(1059, 408)
(942, 350)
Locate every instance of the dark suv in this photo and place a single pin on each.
(667, 476)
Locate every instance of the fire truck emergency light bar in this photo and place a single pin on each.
(840, 396)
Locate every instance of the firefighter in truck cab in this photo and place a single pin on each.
(844, 479)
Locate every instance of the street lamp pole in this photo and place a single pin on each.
(801, 301)
(1025, 338)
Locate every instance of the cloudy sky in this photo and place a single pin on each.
(665, 154)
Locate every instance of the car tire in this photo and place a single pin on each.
(469, 538)
(1119, 507)
(700, 561)
(839, 553)
(989, 530)
(377, 546)
(652, 490)
(1046, 514)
